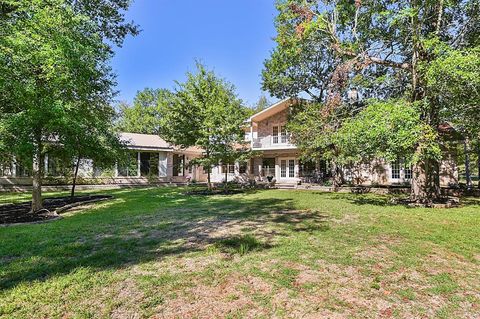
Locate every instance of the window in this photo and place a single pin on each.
(408, 171)
(291, 168)
(242, 169)
(283, 168)
(230, 168)
(401, 170)
(283, 133)
(22, 170)
(268, 167)
(275, 135)
(280, 135)
(178, 165)
(396, 169)
(129, 166)
(6, 169)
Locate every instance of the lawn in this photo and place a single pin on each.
(285, 254)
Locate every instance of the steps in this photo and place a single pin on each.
(285, 186)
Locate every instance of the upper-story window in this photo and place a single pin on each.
(275, 135)
(279, 135)
(283, 133)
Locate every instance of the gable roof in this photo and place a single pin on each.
(273, 109)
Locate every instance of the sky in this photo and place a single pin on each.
(232, 37)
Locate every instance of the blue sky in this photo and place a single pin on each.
(233, 37)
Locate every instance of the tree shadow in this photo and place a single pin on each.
(361, 198)
(142, 225)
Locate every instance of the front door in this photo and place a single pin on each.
(287, 168)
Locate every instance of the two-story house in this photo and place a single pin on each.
(279, 159)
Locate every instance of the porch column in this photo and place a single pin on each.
(13, 173)
(115, 171)
(138, 164)
(45, 161)
(251, 135)
(162, 164)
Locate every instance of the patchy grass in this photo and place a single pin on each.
(158, 253)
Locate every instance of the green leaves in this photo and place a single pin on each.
(144, 115)
(453, 78)
(55, 79)
(204, 112)
(384, 129)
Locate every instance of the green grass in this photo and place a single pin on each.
(159, 253)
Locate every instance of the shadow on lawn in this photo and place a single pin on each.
(139, 226)
(360, 199)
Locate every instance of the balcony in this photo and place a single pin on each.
(266, 142)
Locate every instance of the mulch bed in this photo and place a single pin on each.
(20, 213)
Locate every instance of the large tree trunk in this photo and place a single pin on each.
(75, 174)
(209, 182)
(37, 173)
(226, 176)
(478, 163)
(468, 175)
(426, 181)
(336, 176)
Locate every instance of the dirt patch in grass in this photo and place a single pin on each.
(232, 296)
(128, 297)
(198, 234)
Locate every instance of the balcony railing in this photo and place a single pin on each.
(267, 142)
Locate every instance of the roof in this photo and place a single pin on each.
(144, 141)
(152, 142)
(273, 109)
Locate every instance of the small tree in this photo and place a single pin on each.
(93, 139)
(205, 113)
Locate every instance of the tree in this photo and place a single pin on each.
(384, 129)
(262, 104)
(314, 128)
(396, 45)
(298, 65)
(205, 113)
(144, 116)
(53, 65)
